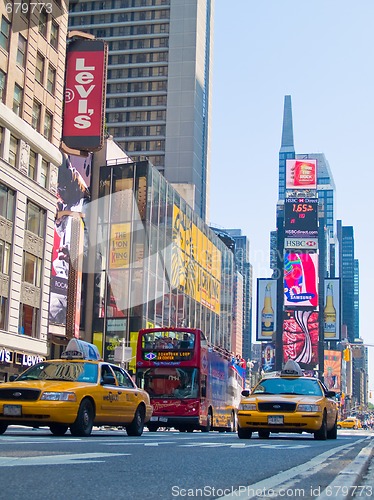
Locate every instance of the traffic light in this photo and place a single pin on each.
(347, 354)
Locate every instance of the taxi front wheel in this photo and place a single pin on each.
(58, 429)
(83, 423)
(244, 433)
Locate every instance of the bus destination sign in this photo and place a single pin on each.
(167, 355)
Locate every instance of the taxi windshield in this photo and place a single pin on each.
(279, 385)
(64, 371)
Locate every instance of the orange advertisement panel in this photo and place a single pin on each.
(301, 174)
(332, 370)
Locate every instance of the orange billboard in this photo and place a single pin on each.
(332, 370)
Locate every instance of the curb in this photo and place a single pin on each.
(348, 478)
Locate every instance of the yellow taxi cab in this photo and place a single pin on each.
(77, 391)
(349, 423)
(288, 402)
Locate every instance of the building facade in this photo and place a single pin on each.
(159, 81)
(152, 261)
(32, 65)
(244, 266)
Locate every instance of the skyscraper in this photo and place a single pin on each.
(349, 278)
(287, 150)
(244, 267)
(159, 79)
(326, 199)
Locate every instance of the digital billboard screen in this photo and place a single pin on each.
(301, 279)
(301, 217)
(301, 174)
(300, 337)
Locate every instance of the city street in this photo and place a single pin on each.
(169, 464)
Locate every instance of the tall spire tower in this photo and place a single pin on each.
(287, 150)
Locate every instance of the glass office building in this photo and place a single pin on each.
(157, 262)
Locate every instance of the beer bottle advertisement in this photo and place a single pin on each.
(266, 305)
(331, 310)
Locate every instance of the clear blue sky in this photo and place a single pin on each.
(320, 53)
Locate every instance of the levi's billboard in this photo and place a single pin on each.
(84, 105)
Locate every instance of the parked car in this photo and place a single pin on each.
(77, 391)
(288, 402)
(349, 423)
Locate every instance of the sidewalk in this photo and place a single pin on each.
(356, 480)
(367, 478)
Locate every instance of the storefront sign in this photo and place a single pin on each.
(6, 356)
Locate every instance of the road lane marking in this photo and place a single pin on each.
(75, 458)
(271, 483)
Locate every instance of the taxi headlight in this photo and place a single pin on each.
(305, 407)
(247, 406)
(58, 396)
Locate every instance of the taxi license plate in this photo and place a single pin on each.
(275, 420)
(12, 410)
(154, 419)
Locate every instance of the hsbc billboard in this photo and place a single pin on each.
(304, 243)
(85, 85)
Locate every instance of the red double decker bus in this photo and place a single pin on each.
(192, 385)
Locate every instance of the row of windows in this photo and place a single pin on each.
(145, 131)
(28, 318)
(137, 72)
(143, 58)
(130, 102)
(148, 43)
(140, 146)
(38, 167)
(115, 4)
(150, 29)
(137, 116)
(114, 88)
(122, 17)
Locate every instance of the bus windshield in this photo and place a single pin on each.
(169, 382)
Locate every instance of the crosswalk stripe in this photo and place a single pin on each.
(67, 459)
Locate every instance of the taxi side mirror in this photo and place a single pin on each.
(12, 378)
(108, 380)
(246, 393)
(330, 394)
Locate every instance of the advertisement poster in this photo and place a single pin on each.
(266, 308)
(84, 104)
(300, 338)
(73, 193)
(267, 356)
(301, 279)
(301, 174)
(332, 370)
(331, 310)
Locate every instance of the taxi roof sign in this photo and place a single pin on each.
(80, 349)
(292, 368)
